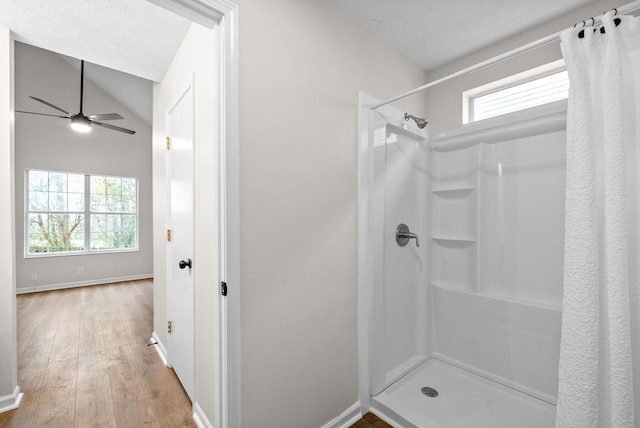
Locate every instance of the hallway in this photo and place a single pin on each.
(83, 361)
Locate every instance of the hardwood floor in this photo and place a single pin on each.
(369, 420)
(83, 361)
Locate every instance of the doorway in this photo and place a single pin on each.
(223, 14)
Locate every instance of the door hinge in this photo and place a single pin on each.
(169, 235)
(223, 288)
(168, 143)
(170, 327)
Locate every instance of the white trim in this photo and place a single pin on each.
(365, 179)
(200, 418)
(229, 411)
(11, 401)
(197, 11)
(98, 281)
(346, 418)
(160, 349)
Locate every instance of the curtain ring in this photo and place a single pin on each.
(583, 24)
(614, 10)
(594, 21)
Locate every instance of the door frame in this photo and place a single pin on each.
(225, 14)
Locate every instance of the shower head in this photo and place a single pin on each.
(419, 121)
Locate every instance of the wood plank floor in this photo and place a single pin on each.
(369, 420)
(83, 361)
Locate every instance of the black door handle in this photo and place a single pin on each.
(182, 264)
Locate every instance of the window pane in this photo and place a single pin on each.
(536, 92)
(129, 186)
(37, 244)
(113, 223)
(57, 201)
(75, 202)
(98, 202)
(128, 231)
(39, 180)
(38, 223)
(98, 185)
(57, 182)
(76, 183)
(98, 241)
(98, 229)
(38, 201)
(114, 203)
(54, 233)
(129, 204)
(114, 185)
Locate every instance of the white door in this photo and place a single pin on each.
(180, 248)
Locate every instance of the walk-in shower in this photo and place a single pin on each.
(462, 330)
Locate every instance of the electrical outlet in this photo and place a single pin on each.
(34, 276)
(80, 271)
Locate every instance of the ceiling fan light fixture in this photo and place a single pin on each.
(80, 124)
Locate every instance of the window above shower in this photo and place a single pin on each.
(536, 87)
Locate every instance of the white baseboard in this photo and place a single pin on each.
(61, 286)
(347, 418)
(160, 349)
(11, 401)
(200, 418)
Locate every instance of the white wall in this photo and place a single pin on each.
(49, 144)
(8, 363)
(194, 60)
(302, 63)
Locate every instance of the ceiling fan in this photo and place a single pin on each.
(79, 121)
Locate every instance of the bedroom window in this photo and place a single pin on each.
(542, 85)
(68, 213)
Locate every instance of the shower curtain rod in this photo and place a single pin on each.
(622, 10)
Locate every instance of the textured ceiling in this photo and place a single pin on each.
(133, 36)
(433, 33)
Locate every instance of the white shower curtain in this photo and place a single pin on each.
(599, 378)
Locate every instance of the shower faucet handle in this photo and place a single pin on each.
(403, 235)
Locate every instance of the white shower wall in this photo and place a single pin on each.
(497, 250)
(401, 297)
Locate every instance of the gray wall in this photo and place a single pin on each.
(302, 63)
(49, 144)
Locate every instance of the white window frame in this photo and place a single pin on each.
(540, 72)
(87, 217)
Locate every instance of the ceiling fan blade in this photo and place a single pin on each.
(42, 114)
(105, 116)
(115, 128)
(49, 104)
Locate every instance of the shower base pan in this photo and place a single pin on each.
(463, 400)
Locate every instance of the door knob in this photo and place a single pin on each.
(182, 264)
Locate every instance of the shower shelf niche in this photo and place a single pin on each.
(453, 240)
(456, 192)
